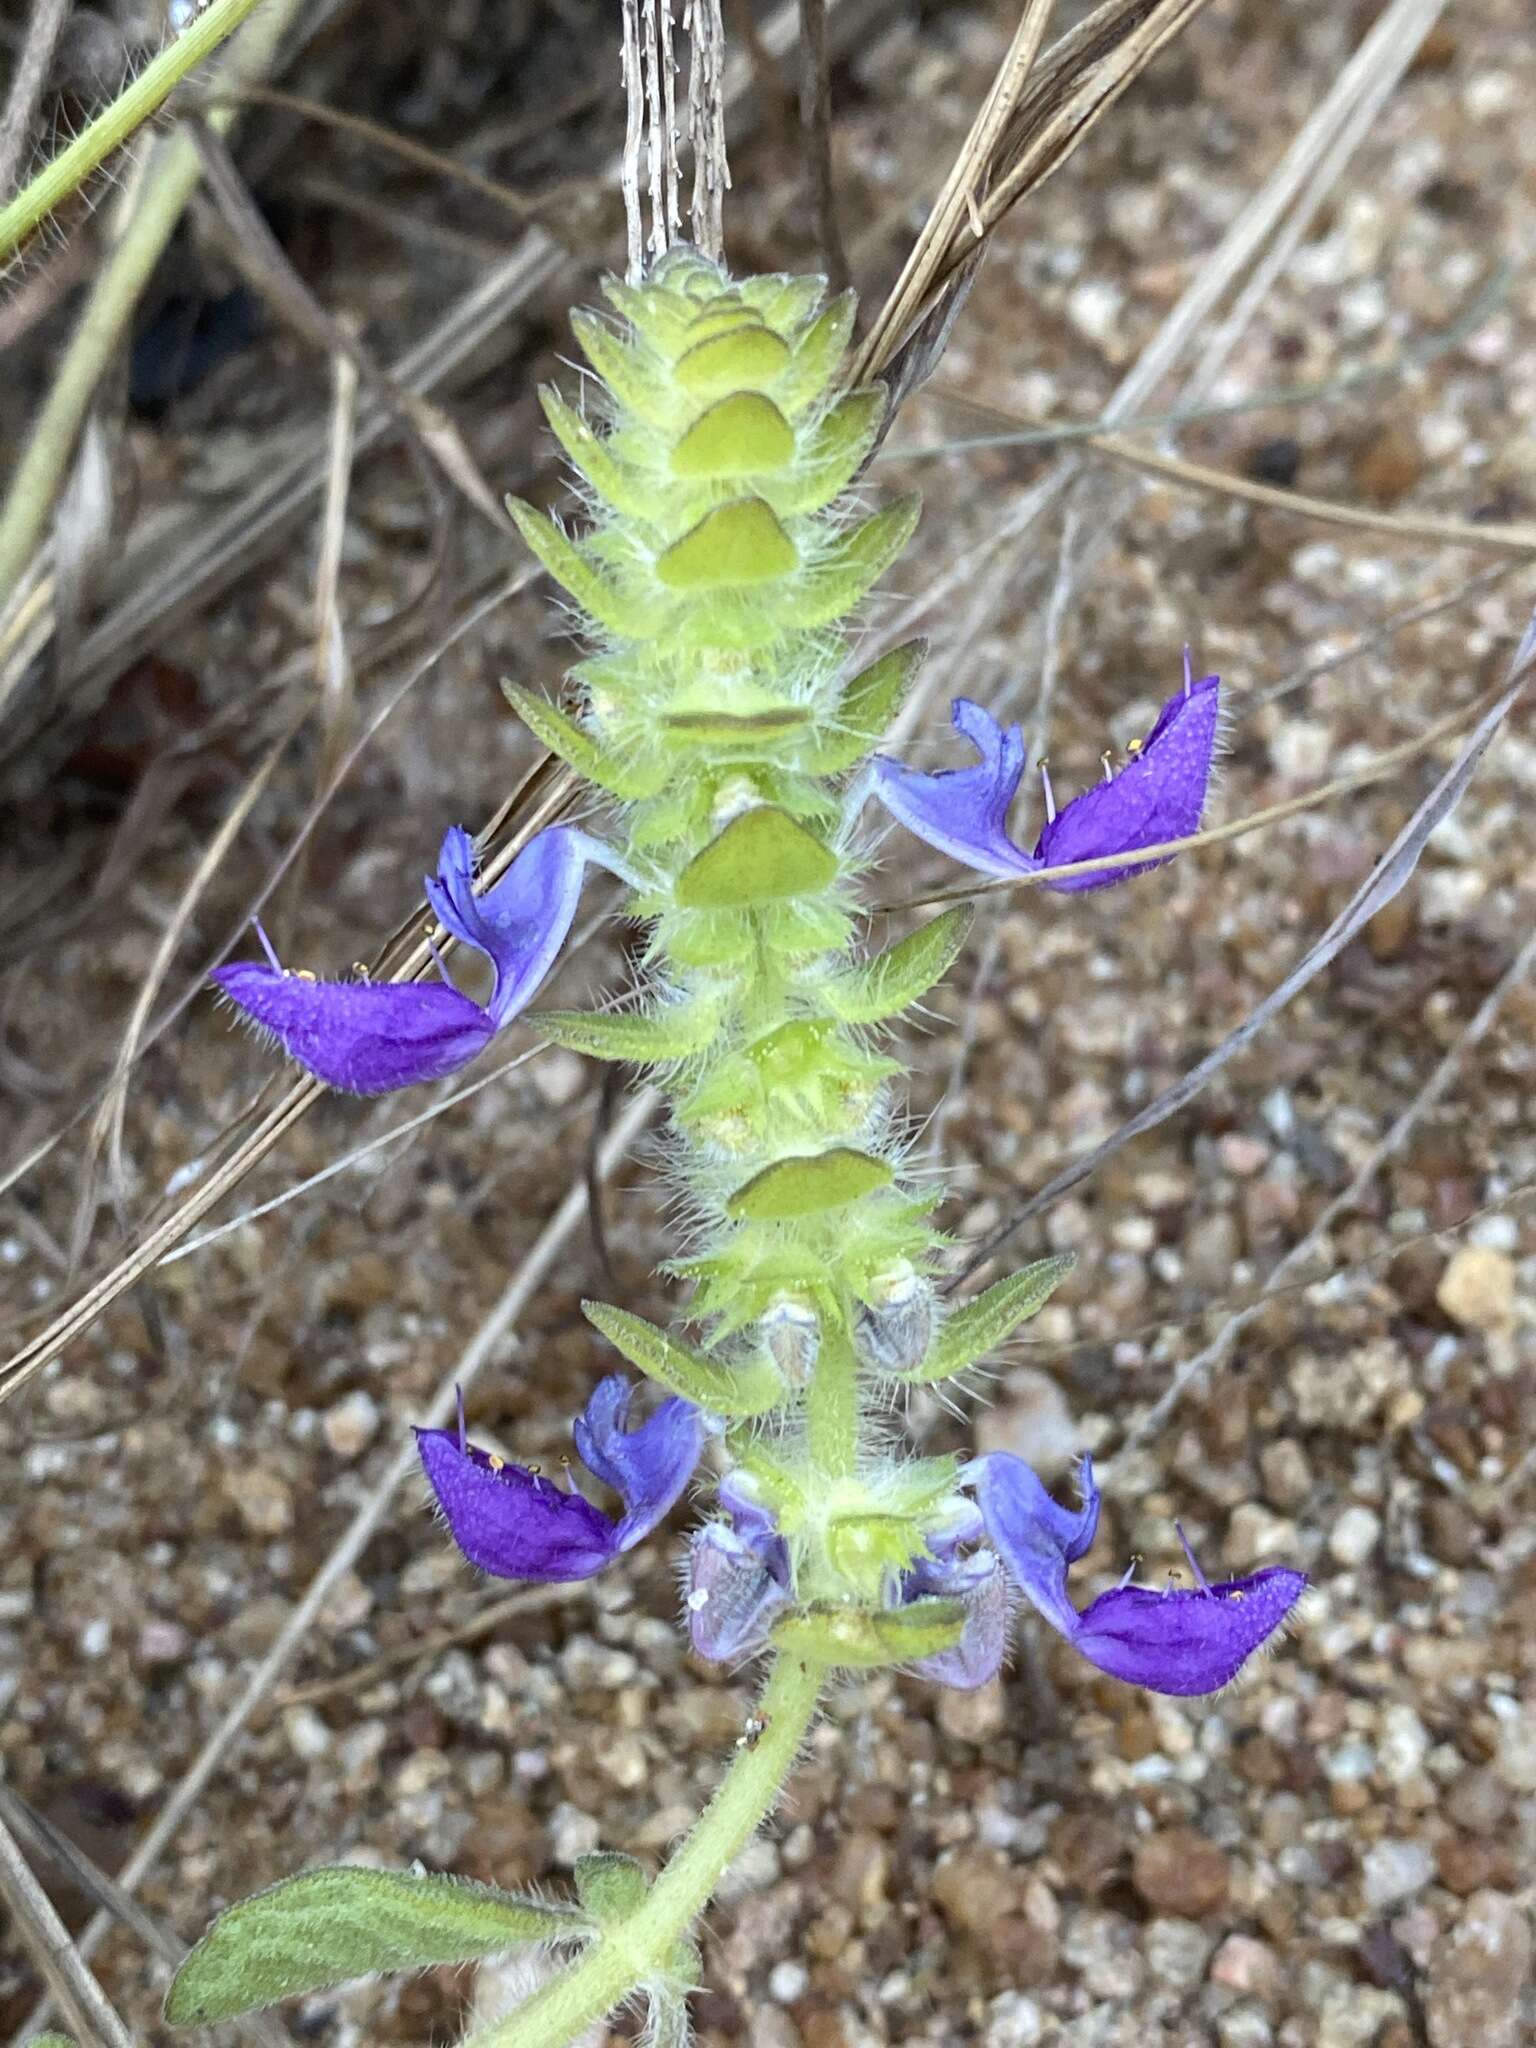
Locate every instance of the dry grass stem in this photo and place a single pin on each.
(58, 1962)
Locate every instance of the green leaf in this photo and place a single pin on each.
(627, 490)
(736, 544)
(633, 382)
(836, 582)
(817, 355)
(751, 1388)
(671, 1034)
(762, 856)
(803, 1186)
(884, 986)
(868, 705)
(328, 1926)
(746, 359)
(610, 1887)
(625, 612)
(865, 1637)
(783, 300)
(48, 2041)
(629, 779)
(740, 436)
(992, 1317)
(834, 453)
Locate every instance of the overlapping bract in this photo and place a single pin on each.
(1157, 795)
(372, 1037)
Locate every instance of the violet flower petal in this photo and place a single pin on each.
(1183, 1641)
(647, 1467)
(1187, 1639)
(963, 811)
(521, 921)
(513, 1523)
(1157, 795)
(980, 1582)
(365, 1036)
(510, 1522)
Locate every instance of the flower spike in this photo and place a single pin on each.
(1159, 794)
(1183, 1641)
(372, 1037)
(516, 1525)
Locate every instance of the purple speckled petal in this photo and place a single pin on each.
(978, 1580)
(647, 1467)
(963, 811)
(736, 1584)
(1158, 795)
(1187, 1639)
(521, 922)
(508, 1521)
(1182, 1641)
(364, 1036)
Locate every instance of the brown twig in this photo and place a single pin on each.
(57, 1960)
(27, 82)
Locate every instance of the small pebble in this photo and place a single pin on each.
(1477, 1288)
(1353, 1536)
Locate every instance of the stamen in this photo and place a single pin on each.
(458, 1395)
(1200, 1579)
(497, 1463)
(360, 969)
(1050, 800)
(437, 958)
(1133, 749)
(267, 947)
(1189, 674)
(1105, 759)
(1131, 1570)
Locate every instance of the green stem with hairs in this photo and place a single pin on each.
(170, 179)
(115, 125)
(627, 1955)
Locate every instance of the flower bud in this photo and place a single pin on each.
(895, 1325)
(791, 1333)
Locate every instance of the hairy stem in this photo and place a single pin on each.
(171, 177)
(116, 123)
(626, 1955)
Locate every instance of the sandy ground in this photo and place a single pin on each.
(1337, 1854)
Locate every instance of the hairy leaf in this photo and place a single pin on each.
(971, 1332)
(328, 1926)
(865, 1637)
(762, 856)
(884, 986)
(719, 1388)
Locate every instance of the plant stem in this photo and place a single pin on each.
(116, 123)
(626, 1955)
(832, 1408)
(170, 178)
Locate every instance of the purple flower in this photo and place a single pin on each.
(371, 1037)
(738, 1578)
(1159, 794)
(512, 1522)
(1183, 1641)
(977, 1580)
